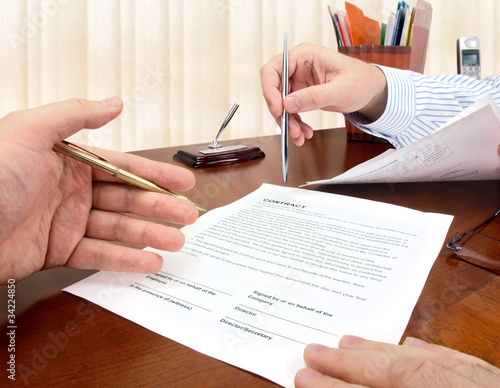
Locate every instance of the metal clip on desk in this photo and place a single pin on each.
(216, 154)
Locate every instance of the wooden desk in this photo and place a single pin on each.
(62, 340)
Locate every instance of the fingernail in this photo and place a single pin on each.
(308, 373)
(112, 101)
(412, 341)
(292, 104)
(315, 348)
(351, 340)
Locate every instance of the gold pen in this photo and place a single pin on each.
(91, 159)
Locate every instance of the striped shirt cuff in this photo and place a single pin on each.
(399, 111)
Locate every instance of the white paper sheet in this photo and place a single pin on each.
(280, 268)
(464, 149)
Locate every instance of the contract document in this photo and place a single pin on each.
(259, 279)
(463, 149)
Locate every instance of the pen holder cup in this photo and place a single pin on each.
(391, 56)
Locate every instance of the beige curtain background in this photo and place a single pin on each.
(180, 65)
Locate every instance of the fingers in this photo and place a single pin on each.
(309, 99)
(128, 199)
(163, 174)
(118, 227)
(350, 342)
(380, 364)
(301, 64)
(298, 130)
(414, 347)
(54, 122)
(331, 96)
(445, 352)
(310, 378)
(104, 256)
(270, 77)
(370, 362)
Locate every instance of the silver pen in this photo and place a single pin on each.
(284, 115)
(215, 143)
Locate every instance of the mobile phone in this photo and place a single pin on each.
(468, 56)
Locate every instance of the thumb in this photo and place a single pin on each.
(309, 99)
(56, 121)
